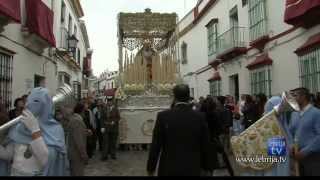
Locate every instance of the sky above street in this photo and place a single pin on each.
(101, 21)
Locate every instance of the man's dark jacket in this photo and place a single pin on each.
(181, 139)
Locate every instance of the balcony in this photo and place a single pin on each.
(9, 13)
(231, 44)
(38, 28)
(302, 13)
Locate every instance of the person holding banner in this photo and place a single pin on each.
(283, 168)
(280, 169)
(305, 129)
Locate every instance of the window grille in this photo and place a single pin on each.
(257, 19)
(215, 88)
(261, 81)
(6, 69)
(309, 65)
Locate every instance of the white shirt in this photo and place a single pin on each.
(241, 105)
(305, 109)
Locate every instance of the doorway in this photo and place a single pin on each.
(234, 87)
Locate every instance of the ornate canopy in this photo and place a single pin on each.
(136, 28)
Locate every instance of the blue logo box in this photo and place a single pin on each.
(277, 146)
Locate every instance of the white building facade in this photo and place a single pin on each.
(234, 47)
(107, 81)
(72, 62)
(33, 46)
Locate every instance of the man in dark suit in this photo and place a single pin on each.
(100, 113)
(181, 139)
(111, 130)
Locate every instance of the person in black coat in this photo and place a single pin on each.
(181, 139)
(17, 111)
(214, 125)
(250, 112)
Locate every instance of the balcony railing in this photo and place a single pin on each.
(231, 39)
(64, 39)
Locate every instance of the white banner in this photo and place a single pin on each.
(136, 125)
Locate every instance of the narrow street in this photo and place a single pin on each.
(208, 83)
(129, 163)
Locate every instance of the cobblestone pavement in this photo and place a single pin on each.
(129, 163)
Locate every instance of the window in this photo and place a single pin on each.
(212, 30)
(234, 19)
(70, 25)
(261, 81)
(192, 92)
(75, 30)
(309, 65)
(60, 79)
(67, 79)
(257, 19)
(244, 3)
(215, 88)
(86, 84)
(6, 68)
(74, 54)
(184, 49)
(63, 12)
(64, 78)
(79, 56)
(38, 81)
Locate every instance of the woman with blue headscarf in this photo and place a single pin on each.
(36, 145)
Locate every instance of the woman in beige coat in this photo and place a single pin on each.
(77, 141)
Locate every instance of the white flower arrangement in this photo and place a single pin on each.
(165, 88)
(134, 89)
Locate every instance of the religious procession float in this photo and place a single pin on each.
(148, 72)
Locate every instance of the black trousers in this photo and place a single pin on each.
(109, 144)
(224, 152)
(228, 164)
(100, 139)
(310, 165)
(91, 144)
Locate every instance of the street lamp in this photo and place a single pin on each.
(72, 44)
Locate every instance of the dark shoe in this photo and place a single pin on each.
(114, 157)
(104, 159)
